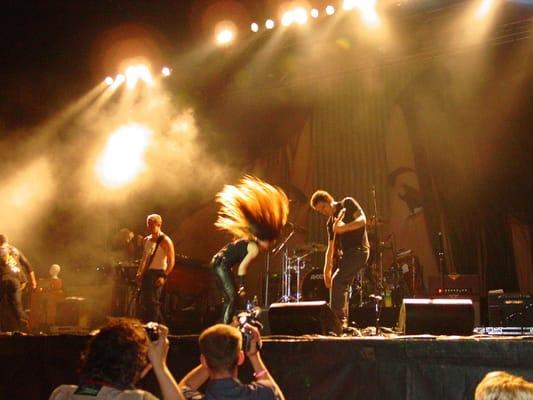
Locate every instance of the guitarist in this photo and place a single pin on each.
(156, 265)
(348, 241)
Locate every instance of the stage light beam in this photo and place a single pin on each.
(484, 9)
(123, 156)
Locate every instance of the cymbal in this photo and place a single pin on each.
(311, 247)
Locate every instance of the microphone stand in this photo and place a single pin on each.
(284, 272)
(377, 242)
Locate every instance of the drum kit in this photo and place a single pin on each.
(301, 281)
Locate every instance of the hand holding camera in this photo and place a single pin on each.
(249, 326)
(159, 344)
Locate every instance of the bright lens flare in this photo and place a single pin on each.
(330, 10)
(269, 24)
(166, 71)
(367, 9)
(123, 157)
(484, 9)
(135, 73)
(254, 27)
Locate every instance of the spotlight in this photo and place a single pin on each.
(314, 13)
(254, 27)
(108, 81)
(287, 18)
(300, 15)
(348, 5)
(269, 24)
(330, 10)
(224, 37)
(367, 8)
(166, 71)
(123, 158)
(134, 73)
(225, 32)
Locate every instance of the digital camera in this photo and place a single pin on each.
(152, 331)
(251, 318)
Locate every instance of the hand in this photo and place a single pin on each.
(158, 350)
(159, 281)
(241, 291)
(255, 341)
(34, 284)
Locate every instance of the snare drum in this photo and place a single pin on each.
(313, 287)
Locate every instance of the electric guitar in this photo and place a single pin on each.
(332, 252)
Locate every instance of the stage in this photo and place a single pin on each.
(306, 367)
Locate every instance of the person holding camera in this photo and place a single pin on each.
(220, 358)
(254, 212)
(117, 357)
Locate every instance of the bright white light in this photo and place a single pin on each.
(348, 5)
(225, 36)
(134, 73)
(300, 15)
(123, 157)
(314, 13)
(269, 24)
(484, 9)
(254, 27)
(108, 81)
(287, 18)
(367, 9)
(166, 71)
(330, 10)
(119, 79)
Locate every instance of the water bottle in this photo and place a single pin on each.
(388, 298)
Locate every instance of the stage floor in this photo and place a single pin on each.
(306, 367)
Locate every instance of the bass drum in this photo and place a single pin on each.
(313, 287)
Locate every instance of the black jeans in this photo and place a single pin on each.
(151, 296)
(350, 264)
(227, 284)
(10, 288)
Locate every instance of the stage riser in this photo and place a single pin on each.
(305, 368)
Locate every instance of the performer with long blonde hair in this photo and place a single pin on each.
(254, 212)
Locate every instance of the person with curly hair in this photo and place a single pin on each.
(254, 212)
(117, 357)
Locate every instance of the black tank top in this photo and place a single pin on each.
(234, 252)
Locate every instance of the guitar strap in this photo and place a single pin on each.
(158, 241)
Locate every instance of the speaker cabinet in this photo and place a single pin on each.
(437, 317)
(304, 318)
(73, 312)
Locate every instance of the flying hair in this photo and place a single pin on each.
(252, 209)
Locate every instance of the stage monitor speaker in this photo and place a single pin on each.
(437, 317)
(73, 312)
(307, 317)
